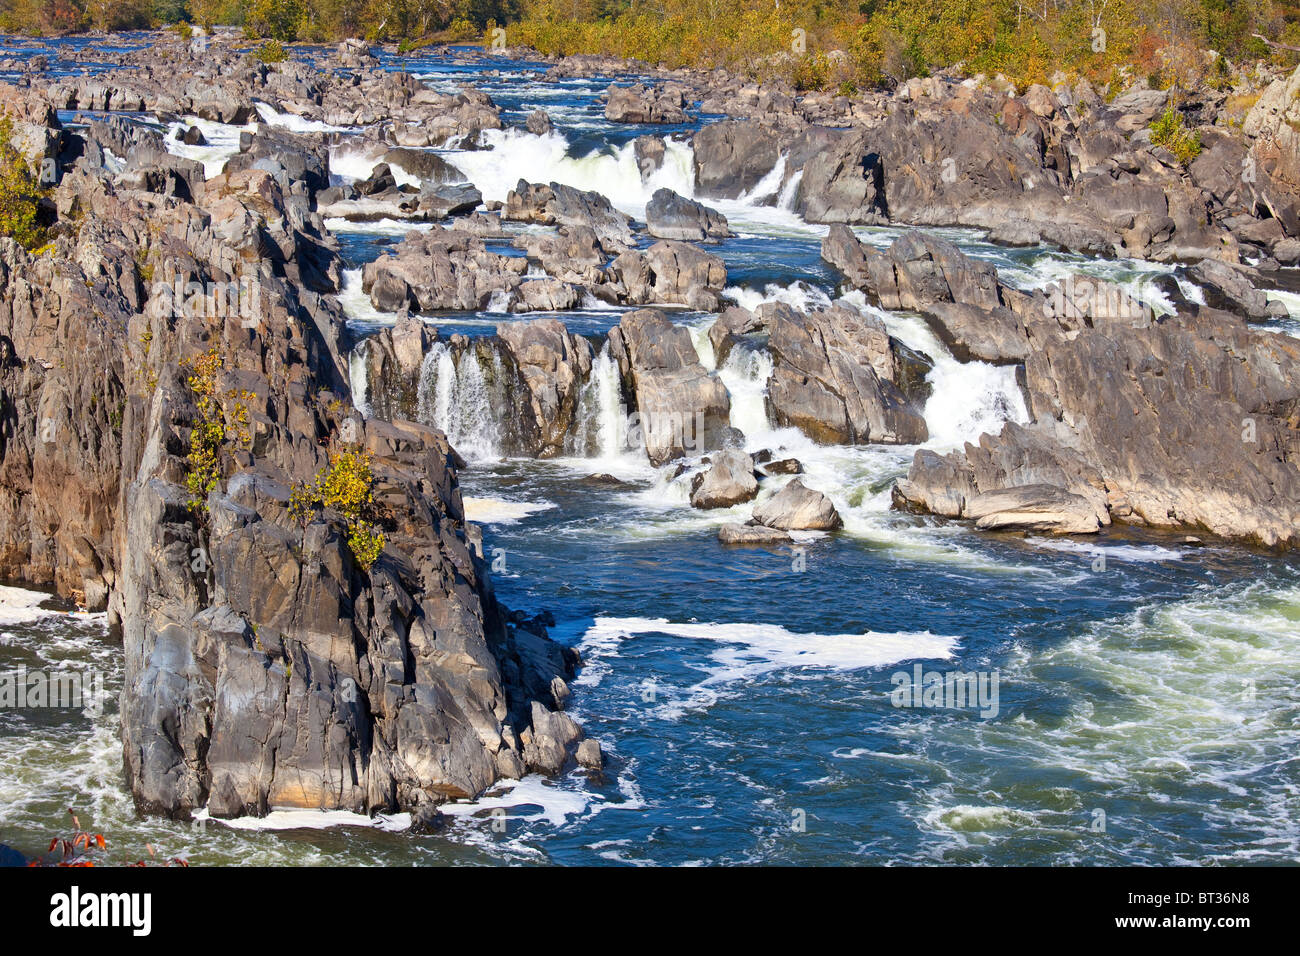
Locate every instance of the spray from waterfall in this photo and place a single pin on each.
(599, 427)
(465, 400)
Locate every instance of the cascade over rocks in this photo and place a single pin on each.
(1156, 446)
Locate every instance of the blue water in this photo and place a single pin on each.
(1146, 709)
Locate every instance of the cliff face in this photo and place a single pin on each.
(265, 665)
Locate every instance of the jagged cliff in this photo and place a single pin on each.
(265, 664)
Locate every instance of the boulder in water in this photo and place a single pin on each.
(797, 507)
(728, 481)
(670, 216)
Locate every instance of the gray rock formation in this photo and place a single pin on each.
(680, 408)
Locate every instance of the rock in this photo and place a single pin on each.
(680, 407)
(553, 364)
(430, 168)
(835, 375)
(642, 104)
(1230, 288)
(670, 216)
(1273, 127)
(1038, 508)
(756, 535)
(728, 481)
(11, 857)
(450, 200)
(649, 152)
(441, 269)
(589, 754)
(783, 466)
(734, 322)
(547, 742)
(843, 183)
(671, 272)
(193, 136)
(268, 660)
(563, 205)
(731, 157)
(538, 122)
(1143, 450)
(798, 508)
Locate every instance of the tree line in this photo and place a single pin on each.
(815, 44)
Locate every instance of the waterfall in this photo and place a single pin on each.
(745, 373)
(512, 154)
(599, 423)
(456, 396)
(968, 398)
(358, 378)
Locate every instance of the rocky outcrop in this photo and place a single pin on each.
(1273, 127)
(442, 269)
(155, 438)
(680, 408)
(836, 377)
(1197, 427)
(639, 103)
(553, 364)
(670, 216)
(975, 314)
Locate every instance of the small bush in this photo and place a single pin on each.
(272, 51)
(1170, 132)
(345, 485)
(20, 193)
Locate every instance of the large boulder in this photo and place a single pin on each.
(835, 377)
(670, 216)
(797, 507)
(729, 480)
(553, 364)
(680, 408)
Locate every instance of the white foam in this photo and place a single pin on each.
(501, 511)
(294, 818)
(745, 652)
(298, 124)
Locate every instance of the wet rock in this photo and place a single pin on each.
(797, 507)
(553, 364)
(1038, 508)
(835, 377)
(670, 216)
(734, 322)
(1230, 288)
(538, 122)
(589, 754)
(729, 480)
(755, 535)
(563, 205)
(680, 407)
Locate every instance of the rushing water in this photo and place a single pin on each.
(1146, 708)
